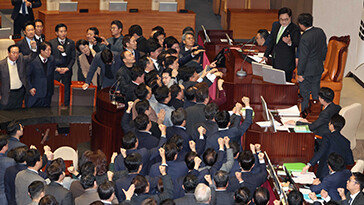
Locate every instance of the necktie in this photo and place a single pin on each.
(350, 200)
(279, 34)
(23, 8)
(44, 60)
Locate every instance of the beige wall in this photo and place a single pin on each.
(338, 18)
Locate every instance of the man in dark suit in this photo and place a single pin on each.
(210, 124)
(64, 51)
(312, 54)
(222, 196)
(5, 162)
(56, 174)
(336, 179)
(189, 185)
(13, 78)
(88, 182)
(39, 26)
(106, 192)
(355, 185)
(178, 118)
(15, 132)
(24, 45)
(23, 12)
(154, 50)
(263, 38)
(142, 43)
(334, 142)
(261, 196)
(113, 43)
(321, 125)
(137, 78)
(124, 73)
(130, 44)
(285, 37)
(40, 78)
(109, 63)
(11, 172)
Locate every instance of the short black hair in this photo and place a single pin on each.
(338, 122)
(143, 61)
(161, 93)
(336, 162)
(190, 183)
(327, 94)
(171, 151)
(295, 198)
(189, 160)
(54, 171)
(222, 119)
(242, 196)
(261, 196)
(188, 29)
(359, 178)
(48, 200)
(158, 28)
(43, 46)
(185, 72)
(235, 147)
(12, 128)
(263, 33)
(158, 33)
(221, 179)
(153, 45)
(178, 116)
(168, 61)
(305, 19)
(190, 93)
(94, 29)
(107, 56)
(140, 183)
(210, 111)
(142, 106)
(38, 20)
(202, 92)
(175, 89)
(169, 42)
(209, 157)
(126, 39)
(117, 23)
(87, 168)
(35, 189)
(141, 121)
(132, 162)
(129, 140)
(178, 140)
(246, 160)
(285, 10)
(141, 91)
(58, 26)
(136, 72)
(105, 190)
(28, 23)
(87, 180)
(20, 154)
(135, 29)
(12, 46)
(81, 42)
(167, 202)
(33, 156)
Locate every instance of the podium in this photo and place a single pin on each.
(106, 132)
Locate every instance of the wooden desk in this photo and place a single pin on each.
(78, 23)
(246, 22)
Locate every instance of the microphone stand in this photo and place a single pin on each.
(112, 93)
(241, 72)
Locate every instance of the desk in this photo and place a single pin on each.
(78, 23)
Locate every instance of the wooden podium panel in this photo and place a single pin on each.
(77, 23)
(246, 22)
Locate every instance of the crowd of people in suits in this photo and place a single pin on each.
(178, 147)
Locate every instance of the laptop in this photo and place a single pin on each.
(168, 6)
(257, 68)
(67, 6)
(118, 5)
(273, 75)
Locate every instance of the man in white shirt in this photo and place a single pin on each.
(355, 185)
(23, 12)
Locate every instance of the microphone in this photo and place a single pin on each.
(241, 72)
(250, 40)
(111, 92)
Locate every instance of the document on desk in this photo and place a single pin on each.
(268, 123)
(256, 58)
(289, 112)
(306, 178)
(284, 120)
(305, 193)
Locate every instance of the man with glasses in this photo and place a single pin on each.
(285, 37)
(355, 185)
(115, 43)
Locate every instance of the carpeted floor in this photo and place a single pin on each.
(204, 14)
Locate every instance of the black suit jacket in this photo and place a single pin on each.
(70, 50)
(9, 182)
(333, 142)
(283, 55)
(312, 52)
(24, 46)
(321, 125)
(17, 5)
(223, 197)
(359, 199)
(62, 195)
(5, 78)
(195, 114)
(188, 199)
(42, 82)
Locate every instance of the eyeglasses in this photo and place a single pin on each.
(284, 20)
(350, 180)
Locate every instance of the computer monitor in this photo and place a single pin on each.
(266, 115)
(67, 6)
(276, 182)
(118, 5)
(168, 6)
(257, 68)
(273, 75)
(271, 119)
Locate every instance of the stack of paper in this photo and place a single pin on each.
(268, 123)
(306, 178)
(256, 58)
(294, 167)
(302, 129)
(305, 193)
(290, 112)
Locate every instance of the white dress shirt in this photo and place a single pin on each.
(15, 82)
